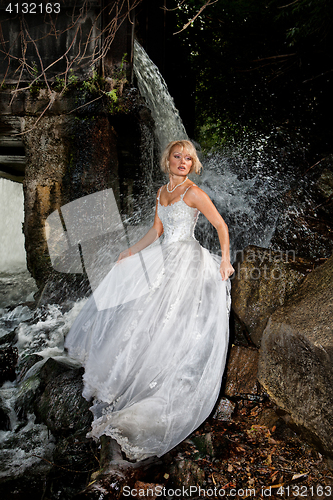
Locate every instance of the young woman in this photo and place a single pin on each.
(154, 353)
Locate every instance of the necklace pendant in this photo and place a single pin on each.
(177, 185)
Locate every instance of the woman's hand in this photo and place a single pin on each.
(125, 254)
(226, 270)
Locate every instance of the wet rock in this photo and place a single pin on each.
(263, 281)
(8, 360)
(52, 389)
(26, 456)
(305, 224)
(25, 364)
(4, 418)
(25, 400)
(31, 483)
(296, 358)
(63, 289)
(51, 369)
(62, 407)
(74, 458)
(224, 410)
(74, 452)
(242, 369)
(9, 338)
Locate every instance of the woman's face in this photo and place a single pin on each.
(180, 161)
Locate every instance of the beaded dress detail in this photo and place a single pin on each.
(178, 220)
(154, 350)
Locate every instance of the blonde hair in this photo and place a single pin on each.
(196, 164)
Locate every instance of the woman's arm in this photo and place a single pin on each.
(197, 198)
(152, 235)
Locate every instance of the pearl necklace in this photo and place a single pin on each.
(177, 185)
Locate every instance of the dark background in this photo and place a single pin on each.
(246, 66)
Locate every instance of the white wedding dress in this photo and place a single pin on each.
(154, 349)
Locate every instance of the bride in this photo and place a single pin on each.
(154, 355)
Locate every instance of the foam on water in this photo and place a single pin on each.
(39, 332)
(45, 336)
(25, 448)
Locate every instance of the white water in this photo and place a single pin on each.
(247, 191)
(12, 252)
(28, 444)
(169, 126)
(16, 284)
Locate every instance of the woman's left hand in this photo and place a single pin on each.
(226, 270)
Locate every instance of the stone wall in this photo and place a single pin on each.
(76, 148)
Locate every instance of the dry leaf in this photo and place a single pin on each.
(274, 475)
(298, 476)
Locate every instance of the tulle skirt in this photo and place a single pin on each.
(153, 340)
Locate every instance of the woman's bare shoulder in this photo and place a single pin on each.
(160, 189)
(194, 195)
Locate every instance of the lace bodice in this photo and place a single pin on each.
(178, 220)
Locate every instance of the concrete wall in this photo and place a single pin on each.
(69, 155)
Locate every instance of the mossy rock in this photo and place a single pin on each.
(62, 407)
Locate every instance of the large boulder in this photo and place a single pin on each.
(296, 358)
(61, 406)
(263, 281)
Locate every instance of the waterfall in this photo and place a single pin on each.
(245, 181)
(169, 126)
(12, 252)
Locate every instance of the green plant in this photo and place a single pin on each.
(72, 79)
(117, 83)
(94, 84)
(61, 85)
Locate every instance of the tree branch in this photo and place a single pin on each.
(288, 5)
(209, 2)
(101, 37)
